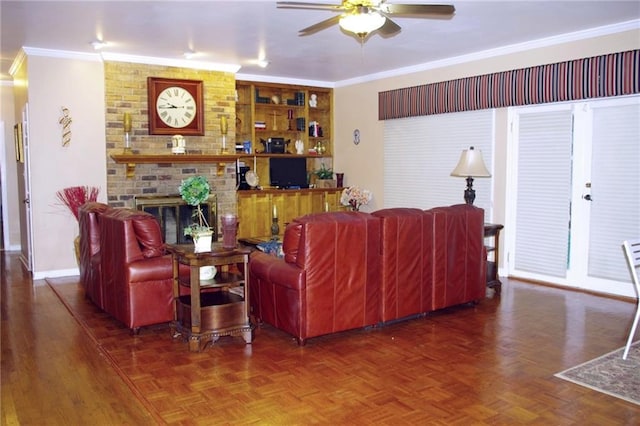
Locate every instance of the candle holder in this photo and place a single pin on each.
(275, 229)
(126, 124)
(224, 128)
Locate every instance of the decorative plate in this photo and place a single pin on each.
(251, 178)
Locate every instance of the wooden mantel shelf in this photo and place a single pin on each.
(132, 159)
(173, 159)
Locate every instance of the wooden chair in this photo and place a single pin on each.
(632, 254)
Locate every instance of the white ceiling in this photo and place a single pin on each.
(240, 32)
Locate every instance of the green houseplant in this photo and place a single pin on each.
(195, 191)
(324, 177)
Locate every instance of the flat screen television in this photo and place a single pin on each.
(288, 173)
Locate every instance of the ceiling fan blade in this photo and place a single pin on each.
(319, 26)
(301, 5)
(389, 27)
(436, 10)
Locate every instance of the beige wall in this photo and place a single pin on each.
(79, 86)
(356, 106)
(9, 171)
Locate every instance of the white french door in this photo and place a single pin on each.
(574, 172)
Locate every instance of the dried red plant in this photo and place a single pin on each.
(75, 196)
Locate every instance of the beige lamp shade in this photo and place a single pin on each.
(471, 164)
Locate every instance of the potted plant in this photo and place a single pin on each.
(195, 191)
(324, 177)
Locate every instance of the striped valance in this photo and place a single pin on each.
(599, 76)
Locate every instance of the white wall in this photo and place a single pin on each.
(78, 85)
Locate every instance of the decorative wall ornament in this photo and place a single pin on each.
(66, 120)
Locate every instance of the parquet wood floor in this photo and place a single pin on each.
(489, 364)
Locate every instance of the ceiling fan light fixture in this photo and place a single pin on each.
(362, 22)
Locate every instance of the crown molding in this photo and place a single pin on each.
(179, 63)
(66, 54)
(284, 80)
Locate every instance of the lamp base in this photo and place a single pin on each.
(469, 193)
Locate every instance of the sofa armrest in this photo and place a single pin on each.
(276, 271)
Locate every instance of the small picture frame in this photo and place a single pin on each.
(19, 144)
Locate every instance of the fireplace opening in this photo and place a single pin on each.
(174, 215)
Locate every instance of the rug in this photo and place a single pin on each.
(610, 374)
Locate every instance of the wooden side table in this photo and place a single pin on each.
(215, 307)
(492, 231)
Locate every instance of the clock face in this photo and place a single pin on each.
(176, 107)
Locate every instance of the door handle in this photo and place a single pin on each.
(587, 197)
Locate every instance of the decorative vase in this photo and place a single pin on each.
(76, 246)
(202, 241)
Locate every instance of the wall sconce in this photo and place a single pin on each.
(470, 165)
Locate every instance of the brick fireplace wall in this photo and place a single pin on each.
(126, 91)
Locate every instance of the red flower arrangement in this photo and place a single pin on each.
(75, 196)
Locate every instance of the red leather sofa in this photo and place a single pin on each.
(128, 273)
(347, 270)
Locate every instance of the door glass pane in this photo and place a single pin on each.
(543, 203)
(615, 187)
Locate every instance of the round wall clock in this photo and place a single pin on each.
(175, 106)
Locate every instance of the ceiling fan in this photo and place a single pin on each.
(361, 17)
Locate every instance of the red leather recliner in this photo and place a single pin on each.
(137, 275)
(328, 280)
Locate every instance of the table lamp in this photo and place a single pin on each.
(470, 165)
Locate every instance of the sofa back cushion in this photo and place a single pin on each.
(291, 242)
(459, 255)
(89, 221)
(407, 246)
(136, 234)
(148, 234)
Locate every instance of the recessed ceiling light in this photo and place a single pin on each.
(262, 63)
(98, 44)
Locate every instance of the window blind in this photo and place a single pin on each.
(421, 152)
